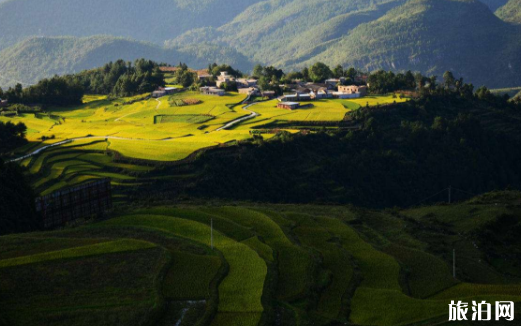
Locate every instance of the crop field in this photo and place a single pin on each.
(150, 130)
(330, 268)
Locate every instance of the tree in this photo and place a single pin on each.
(263, 83)
(258, 71)
(305, 74)
(338, 71)
(17, 210)
(319, 72)
(12, 136)
(449, 80)
(185, 77)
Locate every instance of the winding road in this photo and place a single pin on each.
(226, 126)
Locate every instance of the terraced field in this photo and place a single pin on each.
(265, 265)
(92, 138)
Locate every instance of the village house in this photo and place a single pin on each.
(163, 91)
(346, 92)
(245, 83)
(305, 97)
(224, 78)
(249, 91)
(299, 97)
(212, 91)
(335, 81)
(288, 105)
(269, 94)
(3, 103)
(203, 75)
(322, 94)
(361, 90)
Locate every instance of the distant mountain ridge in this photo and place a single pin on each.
(35, 58)
(430, 36)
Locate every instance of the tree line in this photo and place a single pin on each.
(118, 79)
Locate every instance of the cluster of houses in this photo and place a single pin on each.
(244, 86)
(313, 91)
(296, 93)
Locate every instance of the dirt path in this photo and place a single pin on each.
(252, 115)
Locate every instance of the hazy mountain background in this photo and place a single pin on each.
(480, 40)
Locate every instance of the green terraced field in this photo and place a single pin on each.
(271, 265)
(154, 130)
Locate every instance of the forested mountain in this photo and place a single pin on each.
(430, 36)
(36, 58)
(273, 30)
(511, 12)
(148, 20)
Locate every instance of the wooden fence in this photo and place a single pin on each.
(80, 202)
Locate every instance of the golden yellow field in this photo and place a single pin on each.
(168, 129)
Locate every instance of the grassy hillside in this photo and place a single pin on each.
(278, 265)
(510, 12)
(36, 58)
(433, 36)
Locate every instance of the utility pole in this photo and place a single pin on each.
(211, 233)
(454, 263)
(450, 194)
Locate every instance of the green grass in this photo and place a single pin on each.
(262, 249)
(294, 263)
(385, 307)
(107, 289)
(91, 250)
(335, 260)
(426, 274)
(183, 118)
(190, 276)
(16, 246)
(241, 290)
(321, 269)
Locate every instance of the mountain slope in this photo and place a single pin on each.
(433, 36)
(148, 20)
(36, 58)
(273, 30)
(511, 12)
